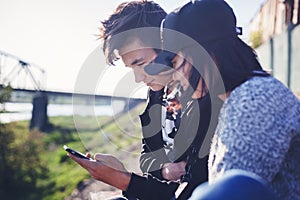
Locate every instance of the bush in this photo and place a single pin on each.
(5, 94)
(21, 165)
(256, 39)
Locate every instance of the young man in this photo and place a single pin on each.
(132, 33)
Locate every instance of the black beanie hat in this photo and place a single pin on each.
(204, 21)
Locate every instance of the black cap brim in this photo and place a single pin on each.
(162, 63)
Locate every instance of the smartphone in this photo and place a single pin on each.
(76, 153)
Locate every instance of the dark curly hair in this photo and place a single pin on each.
(128, 16)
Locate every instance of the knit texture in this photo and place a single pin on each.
(259, 131)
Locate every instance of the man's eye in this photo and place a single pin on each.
(141, 64)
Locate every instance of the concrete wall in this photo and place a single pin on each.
(281, 55)
(295, 61)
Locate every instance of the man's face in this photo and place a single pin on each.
(136, 56)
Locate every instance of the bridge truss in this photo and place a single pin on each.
(20, 74)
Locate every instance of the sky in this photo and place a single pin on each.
(60, 35)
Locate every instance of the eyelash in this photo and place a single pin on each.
(141, 64)
(136, 65)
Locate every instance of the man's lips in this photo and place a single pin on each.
(149, 83)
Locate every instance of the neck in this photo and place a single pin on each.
(200, 90)
(224, 96)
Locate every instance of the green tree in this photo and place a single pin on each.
(20, 161)
(6, 140)
(5, 94)
(21, 165)
(256, 39)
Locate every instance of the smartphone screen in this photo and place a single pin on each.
(76, 153)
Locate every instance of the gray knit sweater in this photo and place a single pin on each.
(259, 131)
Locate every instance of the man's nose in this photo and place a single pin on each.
(178, 76)
(139, 74)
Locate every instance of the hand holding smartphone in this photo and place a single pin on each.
(76, 153)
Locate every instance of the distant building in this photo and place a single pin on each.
(273, 18)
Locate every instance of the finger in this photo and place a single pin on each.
(110, 161)
(97, 156)
(107, 159)
(89, 155)
(103, 157)
(82, 162)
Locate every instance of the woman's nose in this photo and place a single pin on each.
(139, 74)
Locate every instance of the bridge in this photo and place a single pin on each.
(26, 78)
(54, 97)
(18, 73)
(27, 81)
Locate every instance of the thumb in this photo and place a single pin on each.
(110, 161)
(103, 157)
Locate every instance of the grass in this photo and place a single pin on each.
(64, 175)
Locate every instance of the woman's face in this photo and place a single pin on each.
(136, 56)
(183, 70)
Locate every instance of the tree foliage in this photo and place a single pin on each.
(21, 165)
(20, 162)
(256, 39)
(5, 94)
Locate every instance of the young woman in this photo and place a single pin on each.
(259, 123)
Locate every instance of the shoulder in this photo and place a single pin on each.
(262, 93)
(260, 104)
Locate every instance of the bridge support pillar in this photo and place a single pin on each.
(39, 118)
